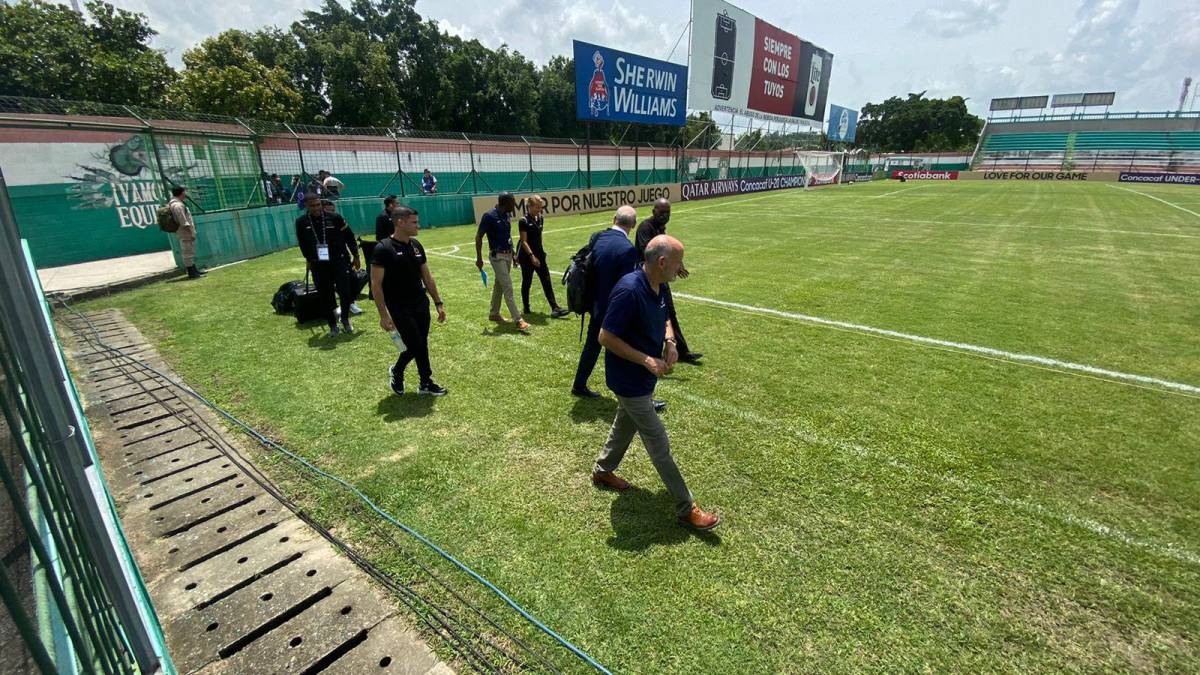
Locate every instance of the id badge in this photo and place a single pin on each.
(323, 252)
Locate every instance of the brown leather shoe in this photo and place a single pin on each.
(610, 480)
(497, 318)
(698, 519)
(522, 325)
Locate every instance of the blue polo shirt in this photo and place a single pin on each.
(498, 229)
(637, 315)
(613, 256)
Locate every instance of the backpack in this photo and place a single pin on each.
(284, 301)
(580, 279)
(166, 219)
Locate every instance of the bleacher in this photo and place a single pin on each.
(1126, 145)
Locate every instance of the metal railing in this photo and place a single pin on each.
(74, 598)
(1066, 117)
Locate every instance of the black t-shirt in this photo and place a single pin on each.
(401, 263)
(645, 232)
(383, 226)
(329, 229)
(532, 227)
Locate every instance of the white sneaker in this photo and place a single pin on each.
(355, 309)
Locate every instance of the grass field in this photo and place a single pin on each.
(888, 502)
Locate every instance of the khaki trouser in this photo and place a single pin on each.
(502, 264)
(187, 244)
(637, 415)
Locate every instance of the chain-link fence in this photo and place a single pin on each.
(232, 163)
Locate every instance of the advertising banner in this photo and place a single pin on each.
(708, 189)
(742, 64)
(568, 202)
(1039, 175)
(921, 174)
(1167, 178)
(616, 86)
(843, 124)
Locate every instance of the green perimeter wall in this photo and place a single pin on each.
(61, 232)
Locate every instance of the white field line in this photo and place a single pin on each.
(1174, 206)
(1170, 550)
(838, 215)
(896, 192)
(960, 346)
(1112, 375)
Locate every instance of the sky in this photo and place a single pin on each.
(980, 49)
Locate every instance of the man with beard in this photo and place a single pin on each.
(650, 228)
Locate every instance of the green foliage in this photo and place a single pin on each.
(223, 77)
(918, 124)
(50, 51)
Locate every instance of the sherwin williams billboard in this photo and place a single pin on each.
(616, 86)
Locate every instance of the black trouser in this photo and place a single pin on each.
(543, 273)
(329, 277)
(680, 344)
(412, 322)
(590, 354)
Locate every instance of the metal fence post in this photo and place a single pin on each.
(471, 152)
(50, 395)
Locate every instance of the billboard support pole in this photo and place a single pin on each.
(588, 124)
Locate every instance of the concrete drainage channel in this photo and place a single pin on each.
(240, 584)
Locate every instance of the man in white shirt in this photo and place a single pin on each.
(331, 187)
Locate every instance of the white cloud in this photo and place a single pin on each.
(960, 18)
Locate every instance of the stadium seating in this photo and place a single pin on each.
(1109, 150)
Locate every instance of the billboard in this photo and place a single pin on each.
(724, 187)
(843, 124)
(921, 174)
(1019, 103)
(616, 86)
(742, 64)
(570, 202)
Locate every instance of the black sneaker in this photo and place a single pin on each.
(334, 331)
(585, 393)
(346, 327)
(396, 384)
(691, 357)
(559, 313)
(659, 406)
(431, 389)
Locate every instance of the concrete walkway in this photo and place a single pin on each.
(104, 273)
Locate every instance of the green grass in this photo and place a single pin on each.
(886, 504)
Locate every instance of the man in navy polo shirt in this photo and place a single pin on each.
(496, 224)
(639, 348)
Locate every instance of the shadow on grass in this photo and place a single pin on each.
(593, 409)
(393, 408)
(641, 519)
(318, 337)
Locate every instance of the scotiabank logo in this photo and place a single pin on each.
(925, 175)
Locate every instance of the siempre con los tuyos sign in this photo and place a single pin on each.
(570, 202)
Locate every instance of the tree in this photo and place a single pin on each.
(51, 51)
(918, 124)
(224, 77)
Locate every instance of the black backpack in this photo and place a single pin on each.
(284, 301)
(580, 280)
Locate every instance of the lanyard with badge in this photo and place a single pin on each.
(322, 241)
